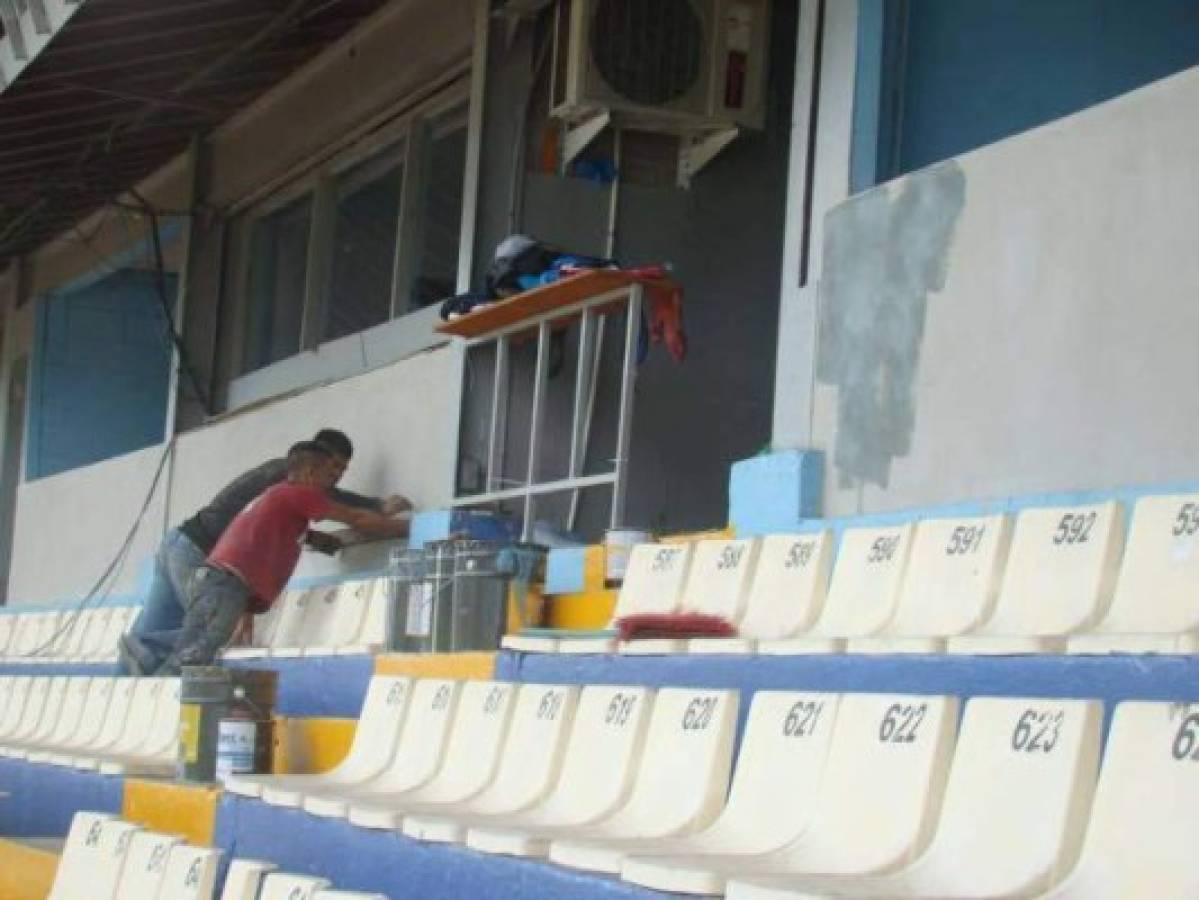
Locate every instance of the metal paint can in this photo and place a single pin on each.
(226, 722)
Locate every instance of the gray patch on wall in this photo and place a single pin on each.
(884, 253)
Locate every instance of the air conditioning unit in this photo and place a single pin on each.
(696, 68)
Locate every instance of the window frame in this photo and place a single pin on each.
(405, 135)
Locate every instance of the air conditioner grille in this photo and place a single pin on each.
(648, 51)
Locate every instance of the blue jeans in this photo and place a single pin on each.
(215, 605)
(160, 623)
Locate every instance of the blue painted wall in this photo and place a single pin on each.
(967, 74)
(101, 373)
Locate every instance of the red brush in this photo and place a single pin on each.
(673, 625)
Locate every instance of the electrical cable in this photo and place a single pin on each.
(98, 591)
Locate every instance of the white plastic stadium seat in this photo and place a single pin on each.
(80, 854)
(863, 593)
(653, 583)
(274, 628)
(951, 585)
(889, 756)
(1140, 841)
(91, 721)
(30, 713)
(717, 585)
(318, 613)
(108, 867)
(529, 766)
(468, 765)
(69, 717)
(360, 623)
(113, 728)
(1013, 757)
(785, 595)
(374, 743)
(1059, 580)
(1156, 606)
(419, 752)
(7, 626)
(681, 785)
(281, 886)
(156, 752)
(190, 874)
(145, 865)
(14, 710)
(244, 878)
(120, 619)
(783, 754)
(41, 720)
(598, 772)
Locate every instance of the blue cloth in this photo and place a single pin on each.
(160, 622)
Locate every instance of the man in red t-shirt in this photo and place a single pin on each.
(256, 555)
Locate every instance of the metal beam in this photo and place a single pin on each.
(560, 486)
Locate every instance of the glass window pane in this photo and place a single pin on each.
(436, 273)
(277, 273)
(364, 246)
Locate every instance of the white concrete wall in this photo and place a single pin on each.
(402, 419)
(70, 526)
(1020, 320)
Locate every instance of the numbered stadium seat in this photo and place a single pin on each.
(1156, 606)
(888, 758)
(605, 747)
(69, 716)
(467, 767)
(1140, 841)
(361, 625)
(7, 627)
(96, 705)
(419, 752)
(688, 740)
(281, 886)
(783, 754)
(148, 740)
(277, 628)
(190, 873)
(111, 733)
(318, 613)
(653, 583)
(108, 866)
(244, 879)
(120, 620)
(1015, 806)
(26, 717)
(786, 594)
(379, 723)
(529, 767)
(14, 709)
(41, 717)
(951, 584)
(1059, 579)
(145, 865)
(863, 593)
(717, 584)
(81, 853)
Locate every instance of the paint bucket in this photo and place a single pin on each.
(618, 546)
(225, 722)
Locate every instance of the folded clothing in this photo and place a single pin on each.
(645, 626)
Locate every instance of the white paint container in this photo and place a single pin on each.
(618, 544)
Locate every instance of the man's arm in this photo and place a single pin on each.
(388, 506)
(366, 521)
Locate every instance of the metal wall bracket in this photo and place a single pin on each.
(579, 136)
(696, 151)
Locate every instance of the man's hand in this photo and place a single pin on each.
(323, 542)
(394, 505)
